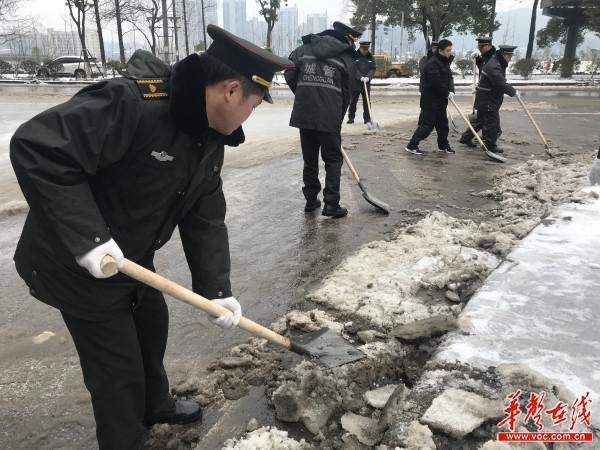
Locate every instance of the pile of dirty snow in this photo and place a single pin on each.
(267, 438)
(380, 282)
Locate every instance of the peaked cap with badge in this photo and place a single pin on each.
(484, 40)
(346, 30)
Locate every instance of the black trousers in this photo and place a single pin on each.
(330, 145)
(122, 364)
(366, 105)
(477, 125)
(428, 120)
(490, 127)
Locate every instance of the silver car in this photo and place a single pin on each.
(69, 66)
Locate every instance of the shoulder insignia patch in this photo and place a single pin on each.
(152, 89)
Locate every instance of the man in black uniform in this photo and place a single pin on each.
(490, 95)
(437, 85)
(112, 172)
(365, 69)
(486, 51)
(432, 51)
(322, 80)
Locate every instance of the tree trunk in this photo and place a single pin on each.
(492, 26)
(270, 26)
(119, 31)
(185, 29)
(373, 25)
(203, 25)
(425, 29)
(532, 30)
(100, 37)
(165, 23)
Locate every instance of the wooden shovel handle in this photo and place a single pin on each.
(535, 125)
(143, 275)
(350, 166)
(468, 123)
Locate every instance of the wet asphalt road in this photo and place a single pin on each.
(278, 255)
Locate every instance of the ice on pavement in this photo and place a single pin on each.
(543, 305)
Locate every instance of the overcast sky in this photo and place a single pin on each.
(53, 13)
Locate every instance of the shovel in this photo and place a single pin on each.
(491, 155)
(370, 125)
(548, 151)
(454, 127)
(326, 346)
(382, 206)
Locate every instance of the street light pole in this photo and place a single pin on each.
(165, 21)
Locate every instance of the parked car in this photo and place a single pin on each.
(68, 66)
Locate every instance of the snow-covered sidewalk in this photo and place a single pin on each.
(541, 307)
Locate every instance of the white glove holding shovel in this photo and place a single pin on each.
(92, 259)
(228, 320)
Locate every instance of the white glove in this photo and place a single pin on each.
(517, 94)
(228, 320)
(450, 94)
(595, 172)
(364, 79)
(91, 260)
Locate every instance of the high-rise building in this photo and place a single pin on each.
(315, 23)
(234, 16)
(256, 31)
(67, 43)
(285, 32)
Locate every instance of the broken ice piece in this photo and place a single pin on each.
(43, 337)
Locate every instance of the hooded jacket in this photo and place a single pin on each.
(129, 158)
(492, 85)
(436, 82)
(322, 81)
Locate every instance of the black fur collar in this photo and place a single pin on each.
(188, 101)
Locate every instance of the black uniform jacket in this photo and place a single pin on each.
(365, 67)
(436, 82)
(492, 85)
(482, 59)
(322, 81)
(112, 162)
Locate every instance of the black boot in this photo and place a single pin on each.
(186, 411)
(350, 120)
(311, 205)
(334, 211)
(468, 141)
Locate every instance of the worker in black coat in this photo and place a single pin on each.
(486, 51)
(113, 171)
(437, 85)
(433, 48)
(322, 80)
(365, 70)
(490, 95)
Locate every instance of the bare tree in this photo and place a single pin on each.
(185, 29)
(269, 9)
(532, 30)
(100, 37)
(78, 10)
(8, 8)
(115, 10)
(144, 16)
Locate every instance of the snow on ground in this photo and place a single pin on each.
(380, 282)
(266, 438)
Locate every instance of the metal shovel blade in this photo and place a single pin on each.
(382, 206)
(327, 348)
(495, 156)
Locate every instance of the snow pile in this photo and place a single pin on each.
(381, 281)
(267, 438)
